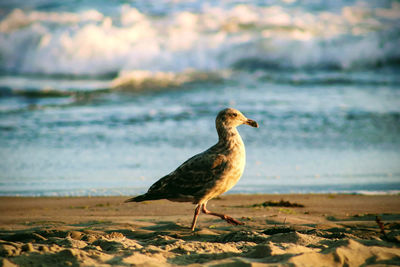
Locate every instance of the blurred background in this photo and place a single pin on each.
(105, 97)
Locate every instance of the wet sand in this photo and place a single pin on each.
(330, 230)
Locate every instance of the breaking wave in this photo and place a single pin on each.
(212, 38)
(146, 80)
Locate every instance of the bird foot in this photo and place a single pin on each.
(231, 220)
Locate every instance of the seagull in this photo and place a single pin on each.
(207, 174)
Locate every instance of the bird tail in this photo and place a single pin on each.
(138, 198)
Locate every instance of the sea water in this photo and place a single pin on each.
(106, 97)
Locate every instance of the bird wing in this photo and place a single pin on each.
(192, 178)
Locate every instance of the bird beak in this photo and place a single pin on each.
(251, 123)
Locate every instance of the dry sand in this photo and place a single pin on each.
(330, 230)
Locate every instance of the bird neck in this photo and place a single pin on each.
(229, 136)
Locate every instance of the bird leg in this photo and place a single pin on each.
(227, 218)
(196, 214)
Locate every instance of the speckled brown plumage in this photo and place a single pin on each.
(208, 174)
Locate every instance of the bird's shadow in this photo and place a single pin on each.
(209, 233)
(166, 226)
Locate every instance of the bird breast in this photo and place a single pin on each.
(236, 160)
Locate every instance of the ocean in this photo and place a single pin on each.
(105, 97)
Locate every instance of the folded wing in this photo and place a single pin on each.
(190, 180)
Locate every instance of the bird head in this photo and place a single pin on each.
(230, 118)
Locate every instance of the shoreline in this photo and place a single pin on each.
(393, 192)
(331, 229)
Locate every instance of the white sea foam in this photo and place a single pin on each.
(214, 38)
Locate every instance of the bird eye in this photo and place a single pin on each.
(234, 114)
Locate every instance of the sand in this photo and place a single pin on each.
(330, 230)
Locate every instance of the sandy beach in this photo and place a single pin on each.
(279, 230)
